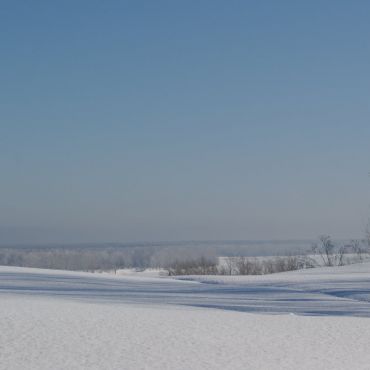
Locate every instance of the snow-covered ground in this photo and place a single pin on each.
(311, 319)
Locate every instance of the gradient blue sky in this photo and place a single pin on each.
(175, 120)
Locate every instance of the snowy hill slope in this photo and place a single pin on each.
(322, 291)
(66, 320)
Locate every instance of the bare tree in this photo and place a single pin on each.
(325, 248)
(244, 266)
(367, 234)
(360, 248)
(229, 264)
(341, 253)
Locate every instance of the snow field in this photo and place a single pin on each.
(53, 333)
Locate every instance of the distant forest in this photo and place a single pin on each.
(112, 256)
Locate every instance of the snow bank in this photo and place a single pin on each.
(46, 333)
(67, 320)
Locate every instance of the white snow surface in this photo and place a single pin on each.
(312, 319)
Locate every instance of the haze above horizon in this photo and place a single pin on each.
(131, 121)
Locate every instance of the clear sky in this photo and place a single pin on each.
(178, 120)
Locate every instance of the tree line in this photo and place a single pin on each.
(187, 259)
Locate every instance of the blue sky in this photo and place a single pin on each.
(178, 120)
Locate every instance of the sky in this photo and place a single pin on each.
(183, 120)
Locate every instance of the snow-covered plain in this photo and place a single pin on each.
(311, 319)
